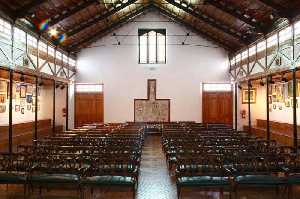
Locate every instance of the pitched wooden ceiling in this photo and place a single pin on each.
(232, 24)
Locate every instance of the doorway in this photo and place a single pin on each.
(89, 104)
(217, 104)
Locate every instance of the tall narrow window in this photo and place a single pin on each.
(152, 46)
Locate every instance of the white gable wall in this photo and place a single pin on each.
(179, 80)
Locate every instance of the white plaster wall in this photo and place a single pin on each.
(180, 79)
(259, 111)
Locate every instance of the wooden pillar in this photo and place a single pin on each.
(268, 106)
(235, 105)
(67, 107)
(295, 110)
(35, 136)
(249, 108)
(53, 108)
(10, 122)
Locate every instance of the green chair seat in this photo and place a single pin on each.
(12, 178)
(54, 178)
(259, 180)
(108, 180)
(293, 179)
(203, 181)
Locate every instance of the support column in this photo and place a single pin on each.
(67, 107)
(249, 108)
(235, 106)
(10, 127)
(295, 110)
(35, 136)
(268, 106)
(53, 109)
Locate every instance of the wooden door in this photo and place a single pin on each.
(217, 107)
(89, 108)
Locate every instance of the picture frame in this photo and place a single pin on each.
(2, 98)
(29, 98)
(274, 106)
(22, 110)
(2, 108)
(3, 86)
(17, 108)
(252, 96)
(23, 91)
(28, 107)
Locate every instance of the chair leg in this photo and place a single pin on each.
(92, 193)
(178, 191)
(221, 193)
(40, 192)
(25, 192)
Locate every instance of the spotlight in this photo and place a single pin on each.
(240, 87)
(41, 83)
(249, 84)
(53, 32)
(182, 43)
(57, 85)
(284, 79)
(262, 83)
(22, 78)
(62, 86)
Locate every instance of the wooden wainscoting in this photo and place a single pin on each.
(23, 133)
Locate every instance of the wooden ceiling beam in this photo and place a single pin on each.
(209, 20)
(229, 9)
(24, 11)
(71, 11)
(106, 30)
(83, 26)
(281, 11)
(196, 30)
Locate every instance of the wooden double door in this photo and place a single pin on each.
(217, 107)
(89, 108)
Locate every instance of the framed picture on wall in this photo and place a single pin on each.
(3, 86)
(23, 91)
(2, 108)
(252, 96)
(17, 108)
(2, 98)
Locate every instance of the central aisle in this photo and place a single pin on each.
(154, 181)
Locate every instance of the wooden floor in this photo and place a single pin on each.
(154, 183)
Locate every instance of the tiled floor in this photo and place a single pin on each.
(154, 183)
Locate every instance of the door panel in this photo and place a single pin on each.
(217, 107)
(89, 108)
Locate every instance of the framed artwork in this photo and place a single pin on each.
(23, 91)
(22, 103)
(3, 86)
(252, 96)
(29, 89)
(270, 99)
(28, 107)
(33, 109)
(22, 110)
(2, 108)
(287, 103)
(13, 91)
(274, 106)
(17, 108)
(2, 98)
(280, 107)
(29, 98)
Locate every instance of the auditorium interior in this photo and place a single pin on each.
(149, 99)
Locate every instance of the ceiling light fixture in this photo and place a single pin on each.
(262, 83)
(53, 32)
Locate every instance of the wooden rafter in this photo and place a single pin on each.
(206, 35)
(209, 20)
(281, 11)
(109, 29)
(71, 11)
(81, 27)
(24, 11)
(233, 11)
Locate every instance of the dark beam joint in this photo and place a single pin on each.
(281, 11)
(211, 21)
(70, 12)
(193, 28)
(109, 29)
(233, 12)
(22, 12)
(81, 27)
